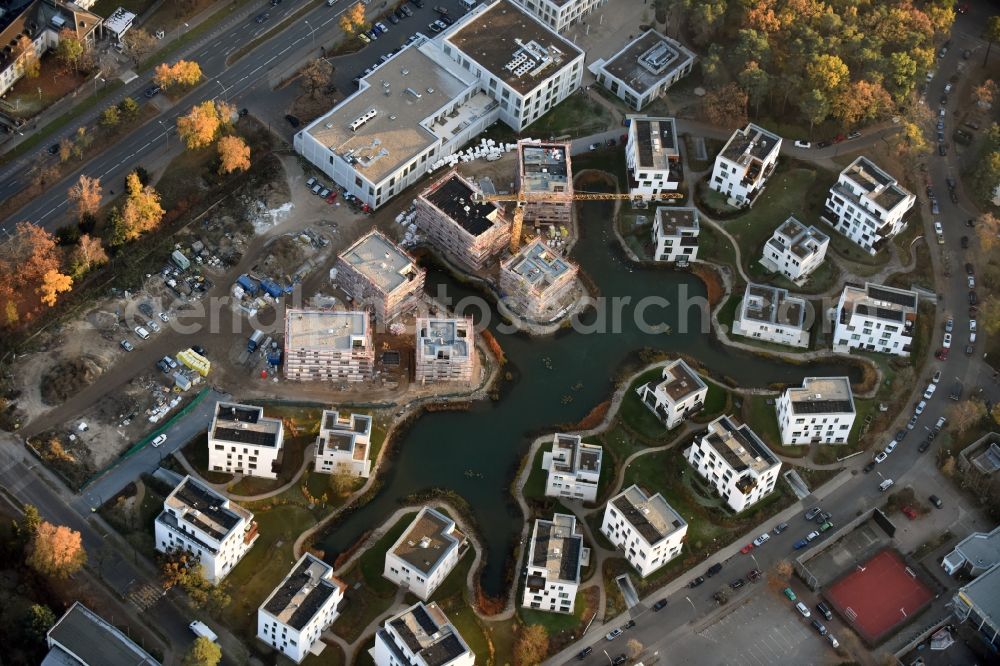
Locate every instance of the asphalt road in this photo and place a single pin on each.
(244, 84)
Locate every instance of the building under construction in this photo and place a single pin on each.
(325, 345)
(468, 232)
(536, 282)
(379, 275)
(445, 350)
(545, 168)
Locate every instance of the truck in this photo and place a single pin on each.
(201, 629)
(254, 341)
(248, 284)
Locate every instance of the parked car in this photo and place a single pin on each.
(869, 467)
(853, 135)
(164, 317)
(803, 609)
(823, 517)
(126, 345)
(162, 366)
(696, 582)
(747, 548)
(885, 485)
(737, 584)
(812, 536)
(584, 653)
(714, 569)
(659, 605)
(141, 332)
(826, 526)
(613, 634)
(790, 594)
(393, 19)
(364, 38)
(824, 610)
(936, 501)
(198, 349)
(802, 144)
(762, 539)
(890, 447)
(434, 27)
(929, 391)
(924, 445)
(881, 456)
(801, 543)
(813, 512)
(381, 26)
(262, 17)
(406, 10)
(833, 641)
(818, 626)
(946, 343)
(447, 20)
(619, 660)
(780, 527)
(901, 434)
(151, 91)
(159, 439)
(964, 242)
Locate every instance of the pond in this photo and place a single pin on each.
(475, 453)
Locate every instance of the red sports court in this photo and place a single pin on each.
(879, 596)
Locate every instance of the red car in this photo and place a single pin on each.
(941, 355)
(909, 512)
(333, 197)
(747, 548)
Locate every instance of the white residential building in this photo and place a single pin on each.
(675, 235)
(244, 441)
(421, 635)
(445, 350)
(644, 69)
(199, 520)
(875, 318)
(867, 205)
(735, 461)
(555, 556)
(652, 157)
(820, 412)
(744, 165)
(645, 528)
(974, 555)
(81, 637)
(559, 14)
(773, 315)
(425, 553)
(795, 250)
(300, 608)
(679, 394)
(425, 103)
(344, 444)
(574, 468)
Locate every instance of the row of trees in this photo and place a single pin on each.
(212, 122)
(185, 73)
(852, 60)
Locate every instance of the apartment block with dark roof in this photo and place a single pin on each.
(675, 235)
(745, 164)
(241, 440)
(875, 318)
(555, 556)
(772, 314)
(795, 250)
(421, 635)
(645, 528)
(653, 156)
(867, 205)
(821, 411)
(425, 553)
(294, 616)
(679, 394)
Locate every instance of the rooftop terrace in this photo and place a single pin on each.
(772, 305)
(647, 60)
(426, 631)
(749, 144)
(513, 46)
(652, 517)
(204, 508)
(679, 381)
(244, 424)
(445, 338)
(383, 263)
(655, 142)
(875, 184)
(803, 241)
(571, 454)
(880, 302)
(556, 546)
(326, 330)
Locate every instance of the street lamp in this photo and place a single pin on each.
(223, 89)
(312, 31)
(692, 604)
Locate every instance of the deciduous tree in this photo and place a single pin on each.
(200, 126)
(341, 481)
(203, 652)
(86, 196)
(25, 259)
(182, 72)
(532, 645)
(53, 284)
(38, 622)
(985, 94)
(30, 520)
(633, 648)
(140, 44)
(316, 76)
(142, 211)
(88, 254)
(353, 19)
(25, 49)
(70, 49)
(992, 34)
(110, 117)
(129, 108)
(965, 415)
(987, 229)
(234, 154)
(726, 106)
(815, 106)
(56, 551)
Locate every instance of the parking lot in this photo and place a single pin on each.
(764, 629)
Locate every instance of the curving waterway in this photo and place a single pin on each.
(489, 440)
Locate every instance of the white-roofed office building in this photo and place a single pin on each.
(820, 412)
(644, 69)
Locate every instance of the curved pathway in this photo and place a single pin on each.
(307, 457)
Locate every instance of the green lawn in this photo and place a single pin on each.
(361, 606)
(637, 416)
(727, 313)
(762, 418)
(842, 247)
(372, 562)
(714, 247)
(784, 196)
(577, 115)
(554, 622)
(534, 487)
(717, 403)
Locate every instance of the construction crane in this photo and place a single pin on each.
(523, 198)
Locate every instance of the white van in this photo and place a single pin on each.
(141, 332)
(201, 629)
(468, 4)
(885, 485)
(331, 3)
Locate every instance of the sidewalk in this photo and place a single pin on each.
(679, 583)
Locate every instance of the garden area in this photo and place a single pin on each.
(577, 115)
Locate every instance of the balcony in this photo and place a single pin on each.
(251, 533)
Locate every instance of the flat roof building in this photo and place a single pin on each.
(445, 349)
(773, 315)
(867, 205)
(537, 282)
(820, 412)
(875, 318)
(301, 607)
(425, 553)
(795, 250)
(241, 440)
(81, 637)
(380, 275)
(978, 604)
(975, 554)
(652, 157)
(328, 345)
(644, 69)
(574, 468)
(735, 461)
(343, 445)
(201, 521)
(645, 528)
(678, 394)
(466, 231)
(421, 635)
(555, 556)
(746, 162)
(545, 168)
(675, 235)
(559, 14)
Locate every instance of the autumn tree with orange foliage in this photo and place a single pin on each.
(200, 126)
(353, 19)
(532, 645)
(181, 73)
(142, 211)
(56, 551)
(89, 253)
(53, 284)
(234, 154)
(30, 64)
(86, 196)
(25, 260)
